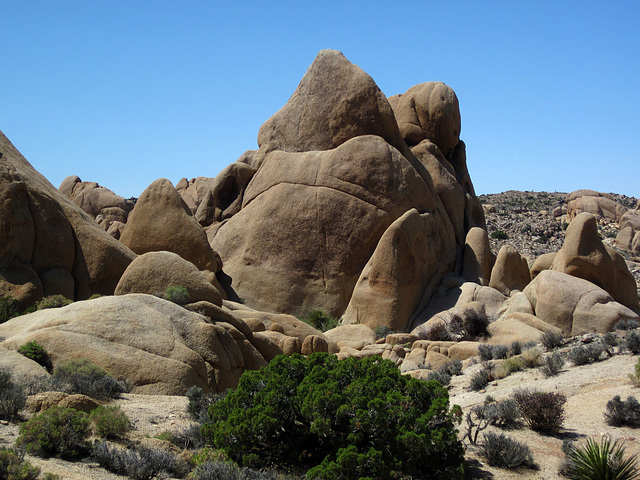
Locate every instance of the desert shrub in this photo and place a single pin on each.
(629, 324)
(631, 342)
(452, 368)
(177, 294)
(514, 364)
(320, 320)
(109, 421)
(359, 417)
(54, 301)
(37, 353)
(584, 354)
(623, 413)
(12, 396)
(604, 460)
(437, 332)
(500, 352)
(8, 308)
(499, 235)
(439, 375)
(214, 470)
(485, 352)
(140, 464)
(532, 356)
(504, 452)
(551, 340)
(480, 379)
(552, 365)
(635, 376)
(199, 402)
(475, 422)
(82, 376)
(56, 432)
(502, 414)
(13, 466)
(382, 331)
(610, 339)
(543, 411)
(500, 370)
(515, 348)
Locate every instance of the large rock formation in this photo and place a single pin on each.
(156, 346)
(162, 221)
(584, 255)
(300, 223)
(48, 244)
(99, 202)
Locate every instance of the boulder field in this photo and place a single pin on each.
(355, 204)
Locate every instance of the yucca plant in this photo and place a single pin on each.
(600, 461)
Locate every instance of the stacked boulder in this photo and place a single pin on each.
(107, 208)
(336, 211)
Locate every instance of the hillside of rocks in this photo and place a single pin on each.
(354, 204)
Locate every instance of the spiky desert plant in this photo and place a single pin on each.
(604, 460)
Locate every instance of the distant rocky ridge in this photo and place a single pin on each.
(355, 204)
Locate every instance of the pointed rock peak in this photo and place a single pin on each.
(162, 193)
(334, 102)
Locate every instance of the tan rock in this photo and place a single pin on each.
(435, 360)
(314, 344)
(354, 336)
(44, 231)
(267, 344)
(156, 346)
(428, 111)
(227, 193)
(94, 199)
(598, 205)
(161, 221)
(323, 193)
(23, 370)
(287, 344)
(154, 272)
(510, 272)
(79, 402)
(478, 259)
(412, 257)
(506, 330)
(543, 262)
(574, 305)
(401, 339)
(44, 400)
(584, 255)
(334, 102)
(463, 350)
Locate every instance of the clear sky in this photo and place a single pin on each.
(125, 92)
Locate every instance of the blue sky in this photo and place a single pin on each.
(125, 92)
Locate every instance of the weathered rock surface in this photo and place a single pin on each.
(574, 305)
(510, 272)
(97, 201)
(156, 346)
(295, 245)
(153, 272)
(413, 255)
(45, 235)
(162, 221)
(598, 204)
(297, 222)
(584, 255)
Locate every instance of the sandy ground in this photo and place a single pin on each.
(588, 389)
